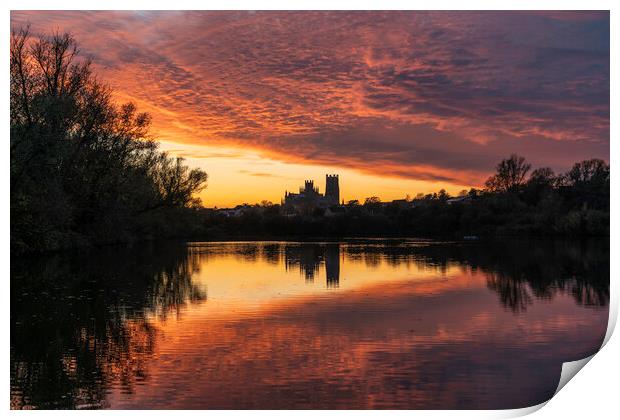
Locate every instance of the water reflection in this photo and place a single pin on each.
(398, 324)
(309, 257)
(82, 322)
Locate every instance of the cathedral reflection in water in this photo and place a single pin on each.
(309, 258)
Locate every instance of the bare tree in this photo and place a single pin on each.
(588, 171)
(510, 176)
(80, 163)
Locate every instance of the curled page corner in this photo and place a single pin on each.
(521, 412)
(613, 317)
(570, 369)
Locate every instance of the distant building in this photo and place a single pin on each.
(400, 203)
(460, 199)
(332, 190)
(335, 211)
(237, 211)
(309, 197)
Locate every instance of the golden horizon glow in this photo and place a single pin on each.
(262, 178)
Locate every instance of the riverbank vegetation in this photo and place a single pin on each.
(84, 170)
(515, 201)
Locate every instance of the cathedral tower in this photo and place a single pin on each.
(332, 190)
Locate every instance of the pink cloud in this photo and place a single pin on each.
(429, 95)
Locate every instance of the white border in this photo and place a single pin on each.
(593, 395)
(312, 5)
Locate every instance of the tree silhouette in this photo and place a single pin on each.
(510, 175)
(589, 172)
(83, 169)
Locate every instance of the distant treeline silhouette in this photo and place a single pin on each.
(83, 169)
(513, 202)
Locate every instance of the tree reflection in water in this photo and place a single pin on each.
(518, 270)
(522, 271)
(81, 322)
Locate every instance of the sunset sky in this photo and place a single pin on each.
(396, 103)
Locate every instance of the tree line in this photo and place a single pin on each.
(515, 201)
(84, 170)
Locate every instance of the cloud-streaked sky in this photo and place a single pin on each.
(396, 102)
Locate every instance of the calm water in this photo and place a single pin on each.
(400, 324)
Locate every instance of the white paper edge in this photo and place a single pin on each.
(570, 369)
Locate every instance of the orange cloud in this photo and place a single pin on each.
(433, 96)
